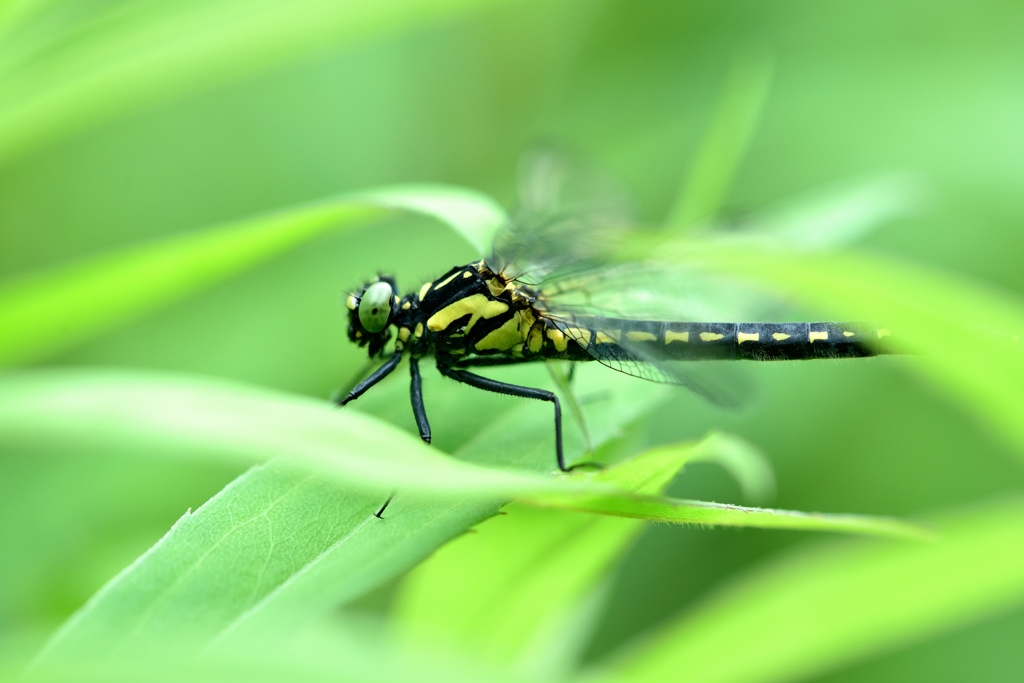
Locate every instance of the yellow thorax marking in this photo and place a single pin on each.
(671, 336)
(512, 333)
(780, 336)
(556, 336)
(744, 336)
(882, 332)
(496, 286)
(710, 336)
(609, 337)
(466, 274)
(847, 333)
(424, 289)
(535, 340)
(476, 305)
(640, 336)
(419, 330)
(351, 302)
(403, 334)
(818, 336)
(448, 279)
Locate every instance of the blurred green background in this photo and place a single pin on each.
(455, 96)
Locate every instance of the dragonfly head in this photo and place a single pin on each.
(371, 312)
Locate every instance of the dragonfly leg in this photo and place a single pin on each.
(361, 388)
(416, 396)
(378, 374)
(497, 387)
(418, 411)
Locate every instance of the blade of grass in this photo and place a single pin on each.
(190, 416)
(814, 611)
(832, 217)
(724, 145)
(51, 311)
(172, 50)
(679, 511)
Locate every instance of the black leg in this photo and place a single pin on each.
(379, 374)
(360, 389)
(497, 387)
(416, 396)
(418, 411)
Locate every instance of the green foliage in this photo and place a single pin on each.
(126, 124)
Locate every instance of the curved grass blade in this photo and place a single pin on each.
(724, 144)
(193, 417)
(170, 50)
(832, 217)
(44, 313)
(812, 612)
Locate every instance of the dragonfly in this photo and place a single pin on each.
(552, 290)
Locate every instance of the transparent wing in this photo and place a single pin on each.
(724, 386)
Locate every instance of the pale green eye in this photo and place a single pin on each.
(375, 307)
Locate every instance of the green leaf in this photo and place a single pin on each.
(516, 607)
(814, 611)
(53, 310)
(341, 648)
(834, 216)
(747, 464)
(204, 417)
(517, 603)
(158, 52)
(724, 144)
(277, 546)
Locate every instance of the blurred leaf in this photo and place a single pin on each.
(156, 52)
(811, 612)
(279, 544)
(965, 335)
(341, 648)
(832, 217)
(472, 215)
(50, 311)
(747, 464)
(476, 596)
(191, 416)
(724, 145)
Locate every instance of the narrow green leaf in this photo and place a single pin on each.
(679, 511)
(724, 144)
(476, 596)
(472, 215)
(278, 546)
(165, 51)
(832, 217)
(203, 416)
(815, 611)
(747, 464)
(50, 311)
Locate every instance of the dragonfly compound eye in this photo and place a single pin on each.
(375, 307)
